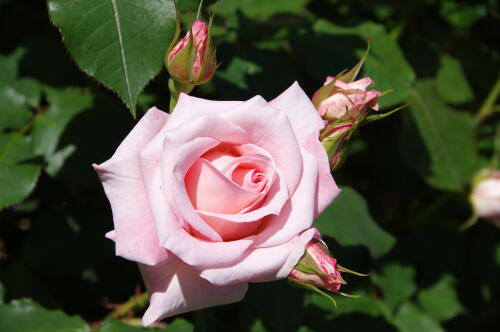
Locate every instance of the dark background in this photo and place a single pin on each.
(431, 278)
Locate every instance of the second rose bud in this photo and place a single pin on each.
(191, 59)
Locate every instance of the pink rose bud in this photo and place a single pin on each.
(343, 105)
(191, 60)
(485, 196)
(345, 100)
(317, 268)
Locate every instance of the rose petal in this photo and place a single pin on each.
(210, 190)
(135, 234)
(298, 213)
(189, 108)
(298, 107)
(262, 264)
(200, 253)
(327, 188)
(175, 288)
(271, 130)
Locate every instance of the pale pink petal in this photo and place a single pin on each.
(201, 254)
(327, 188)
(362, 83)
(270, 129)
(298, 213)
(175, 288)
(262, 264)
(189, 108)
(135, 234)
(301, 112)
(208, 189)
(182, 147)
(276, 197)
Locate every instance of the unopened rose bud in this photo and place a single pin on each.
(317, 268)
(191, 60)
(341, 100)
(485, 196)
(344, 106)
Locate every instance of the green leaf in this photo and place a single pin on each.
(397, 283)
(441, 301)
(449, 137)
(345, 305)
(8, 68)
(16, 95)
(114, 325)
(27, 316)
(348, 221)
(261, 9)
(48, 127)
(18, 171)
(121, 43)
(179, 325)
(30, 89)
(411, 319)
(2, 294)
(386, 63)
(451, 82)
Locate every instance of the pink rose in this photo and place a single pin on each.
(216, 195)
(485, 196)
(347, 99)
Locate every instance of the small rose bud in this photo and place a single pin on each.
(340, 100)
(317, 268)
(485, 196)
(191, 60)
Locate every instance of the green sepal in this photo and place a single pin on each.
(181, 65)
(175, 39)
(352, 296)
(376, 117)
(346, 270)
(351, 74)
(324, 92)
(315, 290)
(307, 269)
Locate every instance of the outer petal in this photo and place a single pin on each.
(176, 288)
(298, 213)
(327, 188)
(301, 112)
(202, 254)
(262, 264)
(135, 234)
(190, 108)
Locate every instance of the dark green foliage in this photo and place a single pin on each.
(405, 182)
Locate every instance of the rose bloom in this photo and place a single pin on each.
(347, 99)
(485, 197)
(216, 195)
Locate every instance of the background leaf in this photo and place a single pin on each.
(440, 300)
(448, 136)
(18, 168)
(121, 43)
(348, 221)
(26, 316)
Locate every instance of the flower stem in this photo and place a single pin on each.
(488, 107)
(176, 88)
(135, 302)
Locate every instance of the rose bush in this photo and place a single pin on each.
(216, 195)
